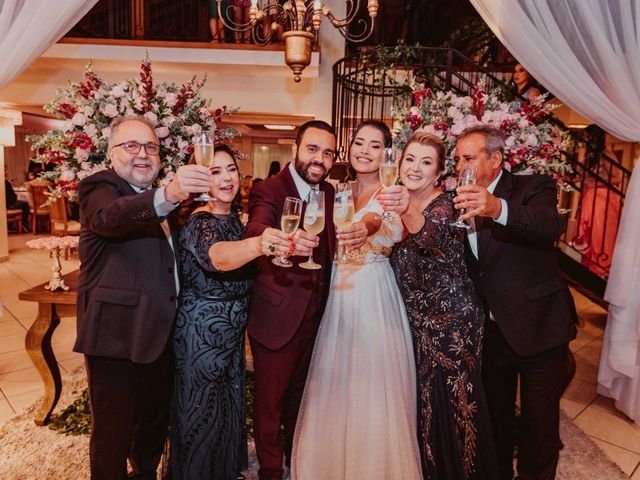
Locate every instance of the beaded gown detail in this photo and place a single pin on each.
(446, 318)
(358, 413)
(208, 438)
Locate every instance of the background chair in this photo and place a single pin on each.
(15, 216)
(60, 224)
(37, 199)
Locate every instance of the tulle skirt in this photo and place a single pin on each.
(358, 412)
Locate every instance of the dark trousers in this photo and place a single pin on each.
(130, 414)
(280, 376)
(543, 379)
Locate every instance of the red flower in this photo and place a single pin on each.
(67, 110)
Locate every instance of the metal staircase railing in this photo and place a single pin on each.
(367, 84)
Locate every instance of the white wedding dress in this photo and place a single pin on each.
(357, 419)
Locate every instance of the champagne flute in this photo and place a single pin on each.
(289, 222)
(203, 151)
(343, 212)
(468, 176)
(388, 175)
(314, 222)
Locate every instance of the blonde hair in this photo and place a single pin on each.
(429, 140)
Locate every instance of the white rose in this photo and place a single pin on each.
(67, 175)
(67, 125)
(510, 141)
(91, 130)
(457, 128)
(170, 99)
(139, 101)
(162, 132)
(81, 154)
(531, 140)
(523, 123)
(86, 166)
(151, 117)
(109, 110)
(79, 119)
(106, 131)
(89, 111)
(167, 141)
(118, 91)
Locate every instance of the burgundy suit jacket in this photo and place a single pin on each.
(126, 290)
(280, 296)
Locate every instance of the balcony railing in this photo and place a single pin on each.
(165, 20)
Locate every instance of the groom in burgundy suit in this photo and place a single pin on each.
(286, 304)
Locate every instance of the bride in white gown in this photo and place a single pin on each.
(358, 413)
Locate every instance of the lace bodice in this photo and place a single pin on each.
(379, 245)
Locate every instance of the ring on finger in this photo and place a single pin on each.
(271, 248)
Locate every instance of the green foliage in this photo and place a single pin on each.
(75, 419)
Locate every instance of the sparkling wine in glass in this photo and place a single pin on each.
(388, 172)
(467, 176)
(289, 222)
(343, 212)
(314, 222)
(203, 153)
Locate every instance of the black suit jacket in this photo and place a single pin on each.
(126, 290)
(280, 296)
(517, 271)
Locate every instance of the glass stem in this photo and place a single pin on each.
(311, 256)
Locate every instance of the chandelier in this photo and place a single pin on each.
(301, 20)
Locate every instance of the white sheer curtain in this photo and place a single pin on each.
(29, 27)
(587, 53)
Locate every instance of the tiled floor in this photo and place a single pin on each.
(20, 384)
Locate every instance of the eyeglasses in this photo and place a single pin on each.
(134, 147)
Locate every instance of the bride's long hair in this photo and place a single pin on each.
(382, 127)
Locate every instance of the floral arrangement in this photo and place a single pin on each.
(79, 148)
(531, 140)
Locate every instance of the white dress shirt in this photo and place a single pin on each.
(163, 208)
(502, 219)
(303, 187)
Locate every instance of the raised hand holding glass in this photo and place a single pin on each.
(314, 222)
(467, 176)
(388, 172)
(203, 153)
(343, 212)
(289, 222)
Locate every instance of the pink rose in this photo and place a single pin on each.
(110, 110)
(162, 132)
(79, 119)
(151, 117)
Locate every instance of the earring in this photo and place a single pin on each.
(436, 181)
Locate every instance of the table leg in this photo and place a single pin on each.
(38, 345)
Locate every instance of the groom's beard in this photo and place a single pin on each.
(303, 171)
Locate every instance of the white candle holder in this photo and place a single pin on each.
(55, 245)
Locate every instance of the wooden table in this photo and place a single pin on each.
(51, 306)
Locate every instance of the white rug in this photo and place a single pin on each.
(29, 452)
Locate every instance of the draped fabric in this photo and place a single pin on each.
(619, 373)
(587, 53)
(29, 27)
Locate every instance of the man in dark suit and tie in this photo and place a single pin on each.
(286, 304)
(127, 299)
(531, 315)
